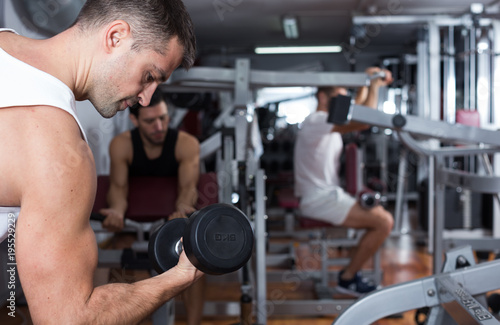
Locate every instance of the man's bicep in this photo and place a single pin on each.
(55, 246)
(55, 265)
(119, 164)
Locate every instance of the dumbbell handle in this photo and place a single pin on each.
(178, 247)
(369, 200)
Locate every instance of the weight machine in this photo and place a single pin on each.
(453, 289)
(237, 161)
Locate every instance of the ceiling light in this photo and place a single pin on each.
(477, 8)
(290, 27)
(298, 49)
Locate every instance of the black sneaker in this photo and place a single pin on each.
(357, 286)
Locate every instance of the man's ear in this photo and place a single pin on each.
(117, 34)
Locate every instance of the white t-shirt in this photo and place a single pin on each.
(316, 167)
(24, 85)
(317, 155)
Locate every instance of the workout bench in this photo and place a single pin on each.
(151, 200)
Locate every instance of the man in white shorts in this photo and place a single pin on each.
(318, 149)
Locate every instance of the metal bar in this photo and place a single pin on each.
(466, 67)
(472, 69)
(419, 293)
(308, 307)
(242, 83)
(431, 209)
(476, 183)
(429, 128)
(434, 71)
(483, 85)
(422, 75)
(415, 146)
(496, 117)
(450, 84)
(278, 307)
(225, 173)
(224, 78)
(460, 304)
(398, 211)
(439, 203)
(480, 244)
(260, 248)
(440, 20)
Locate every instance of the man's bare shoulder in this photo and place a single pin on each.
(187, 147)
(45, 150)
(121, 146)
(41, 133)
(186, 138)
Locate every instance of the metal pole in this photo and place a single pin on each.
(260, 248)
(450, 84)
(434, 68)
(472, 68)
(483, 83)
(422, 77)
(439, 222)
(496, 118)
(467, 62)
(430, 204)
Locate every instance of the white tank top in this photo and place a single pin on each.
(28, 86)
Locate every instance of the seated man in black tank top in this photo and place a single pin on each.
(153, 149)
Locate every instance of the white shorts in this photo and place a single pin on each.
(327, 205)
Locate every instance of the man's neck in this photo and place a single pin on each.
(61, 56)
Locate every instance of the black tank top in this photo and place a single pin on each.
(165, 165)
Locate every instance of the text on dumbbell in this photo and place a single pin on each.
(225, 237)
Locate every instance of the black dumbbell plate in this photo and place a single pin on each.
(220, 239)
(161, 248)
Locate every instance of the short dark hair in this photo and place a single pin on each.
(153, 23)
(324, 89)
(155, 99)
(327, 90)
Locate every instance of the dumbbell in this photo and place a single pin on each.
(369, 199)
(217, 239)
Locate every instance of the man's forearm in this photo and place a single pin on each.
(187, 196)
(121, 303)
(117, 200)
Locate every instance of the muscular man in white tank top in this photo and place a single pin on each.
(115, 55)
